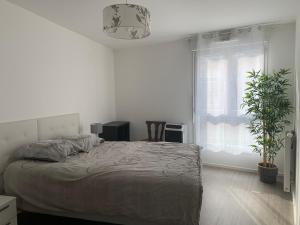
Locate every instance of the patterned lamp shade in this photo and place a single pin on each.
(126, 21)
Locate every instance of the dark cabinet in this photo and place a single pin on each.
(116, 131)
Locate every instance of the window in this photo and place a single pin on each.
(221, 75)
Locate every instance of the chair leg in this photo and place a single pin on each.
(149, 132)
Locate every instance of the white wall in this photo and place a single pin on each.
(154, 83)
(297, 188)
(282, 55)
(47, 70)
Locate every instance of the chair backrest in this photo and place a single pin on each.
(158, 125)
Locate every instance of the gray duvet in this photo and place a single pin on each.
(159, 183)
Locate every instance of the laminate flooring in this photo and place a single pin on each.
(239, 198)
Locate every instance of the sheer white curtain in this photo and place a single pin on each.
(221, 68)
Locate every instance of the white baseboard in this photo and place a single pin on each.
(237, 168)
(230, 167)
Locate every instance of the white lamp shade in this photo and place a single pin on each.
(96, 128)
(126, 21)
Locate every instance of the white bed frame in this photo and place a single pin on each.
(15, 134)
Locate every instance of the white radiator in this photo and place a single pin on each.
(290, 151)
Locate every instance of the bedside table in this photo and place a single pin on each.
(116, 131)
(8, 210)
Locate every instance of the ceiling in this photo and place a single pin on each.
(171, 19)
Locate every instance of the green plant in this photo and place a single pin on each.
(267, 105)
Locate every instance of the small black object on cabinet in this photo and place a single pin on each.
(116, 131)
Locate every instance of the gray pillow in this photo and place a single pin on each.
(83, 143)
(47, 150)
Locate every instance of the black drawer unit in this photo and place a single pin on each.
(116, 131)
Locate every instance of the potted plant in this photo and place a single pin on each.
(267, 106)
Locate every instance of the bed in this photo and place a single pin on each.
(134, 183)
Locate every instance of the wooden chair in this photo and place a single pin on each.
(158, 125)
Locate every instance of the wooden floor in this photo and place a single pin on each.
(239, 198)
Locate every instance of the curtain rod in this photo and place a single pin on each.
(264, 43)
(244, 27)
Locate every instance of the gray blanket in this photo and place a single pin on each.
(158, 183)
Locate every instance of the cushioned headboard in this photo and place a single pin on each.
(52, 127)
(13, 135)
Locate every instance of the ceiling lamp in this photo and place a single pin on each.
(126, 21)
